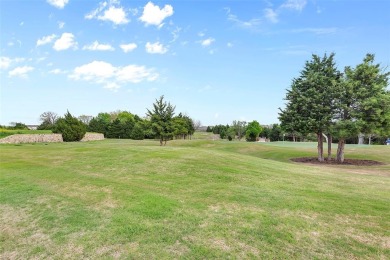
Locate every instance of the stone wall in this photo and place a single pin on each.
(92, 137)
(32, 138)
(45, 138)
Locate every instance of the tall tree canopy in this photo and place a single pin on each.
(363, 105)
(310, 101)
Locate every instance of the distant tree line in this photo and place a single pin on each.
(237, 130)
(160, 123)
(15, 126)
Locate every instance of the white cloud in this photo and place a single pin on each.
(20, 71)
(112, 86)
(252, 24)
(57, 71)
(58, 3)
(297, 5)
(109, 12)
(207, 42)
(115, 15)
(93, 14)
(318, 31)
(175, 34)
(96, 70)
(41, 59)
(65, 42)
(153, 15)
(271, 15)
(61, 25)
(133, 11)
(155, 48)
(96, 46)
(46, 39)
(135, 74)
(6, 62)
(112, 77)
(128, 47)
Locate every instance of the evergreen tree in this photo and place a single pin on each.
(310, 101)
(363, 104)
(115, 129)
(70, 127)
(275, 133)
(161, 117)
(137, 132)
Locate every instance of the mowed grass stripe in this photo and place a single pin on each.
(193, 199)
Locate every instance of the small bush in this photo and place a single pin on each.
(71, 128)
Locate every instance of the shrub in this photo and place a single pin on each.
(70, 127)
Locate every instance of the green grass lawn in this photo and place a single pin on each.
(196, 199)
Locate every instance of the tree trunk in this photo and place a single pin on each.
(329, 147)
(361, 139)
(320, 147)
(340, 151)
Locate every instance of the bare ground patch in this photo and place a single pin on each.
(354, 162)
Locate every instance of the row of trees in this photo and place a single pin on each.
(238, 129)
(160, 123)
(324, 101)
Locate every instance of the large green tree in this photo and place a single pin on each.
(363, 104)
(275, 133)
(100, 123)
(253, 131)
(310, 101)
(161, 118)
(239, 128)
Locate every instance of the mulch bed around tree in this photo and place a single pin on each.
(356, 162)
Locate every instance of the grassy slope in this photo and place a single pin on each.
(191, 199)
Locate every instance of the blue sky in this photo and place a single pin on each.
(217, 61)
